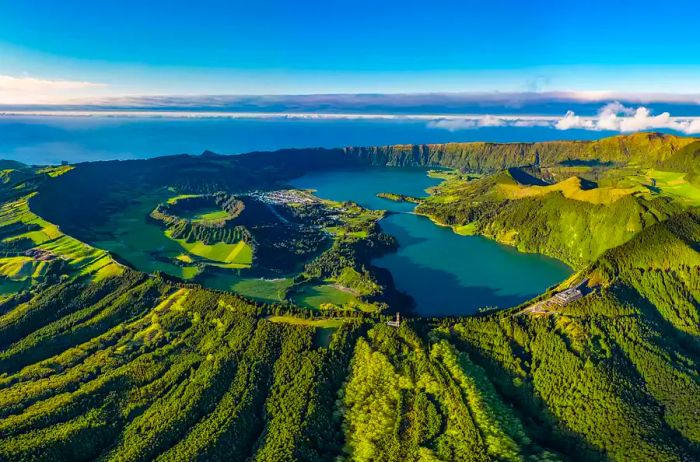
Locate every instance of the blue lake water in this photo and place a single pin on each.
(446, 274)
(46, 140)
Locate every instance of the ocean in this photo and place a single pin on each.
(39, 140)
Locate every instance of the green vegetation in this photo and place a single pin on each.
(642, 150)
(399, 197)
(265, 290)
(572, 220)
(56, 171)
(205, 217)
(321, 323)
(99, 361)
(238, 255)
(36, 250)
(321, 296)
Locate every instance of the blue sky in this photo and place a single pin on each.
(51, 50)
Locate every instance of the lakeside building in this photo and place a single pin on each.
(567, 296)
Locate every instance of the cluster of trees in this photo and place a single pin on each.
(613, 374)
(415, 398)
(183, 374)
(351, 252)
(662, 265)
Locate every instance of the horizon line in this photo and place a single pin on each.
(419, 97)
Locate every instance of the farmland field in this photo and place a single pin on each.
(238, 255)
(674, 184)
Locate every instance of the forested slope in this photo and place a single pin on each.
(155, 371)
(101, 362)
(566, 221)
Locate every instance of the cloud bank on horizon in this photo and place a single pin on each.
(595, 111)
(617, 117)
(582, 110)
(611, 117)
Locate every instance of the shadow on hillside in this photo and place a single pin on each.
(440, 293)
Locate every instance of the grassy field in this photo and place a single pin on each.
(445, 174)
(238, 255)
(20, 268)
(185, 258)
(655, 183)
(173, 200)
(53, 172)
(264, 290)
(674, 184)
(128, 233)
(570, 188)
(315, 296)
(340, 231)
(331, 323)
(269, 290)
(189, 272)
(11, 287)
(208, 213)
(212, 214)
(466, 230)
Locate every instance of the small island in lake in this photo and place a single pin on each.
(399, 197)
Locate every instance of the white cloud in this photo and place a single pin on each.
(491, 121)
(532, 123)
(8, 82)
(453, 124)
(693, 126)
(571, 120)
(28, 90)
(617, 117)
(613, 117)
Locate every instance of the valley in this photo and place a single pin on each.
(446, 274)
(235, 307)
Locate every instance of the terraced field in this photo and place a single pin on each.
(37, 244)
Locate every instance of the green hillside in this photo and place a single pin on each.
(132, 368)
(570, 220)
(99, 361)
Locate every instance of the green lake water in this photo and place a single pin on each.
(446, 274)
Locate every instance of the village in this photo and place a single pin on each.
(284, 197)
